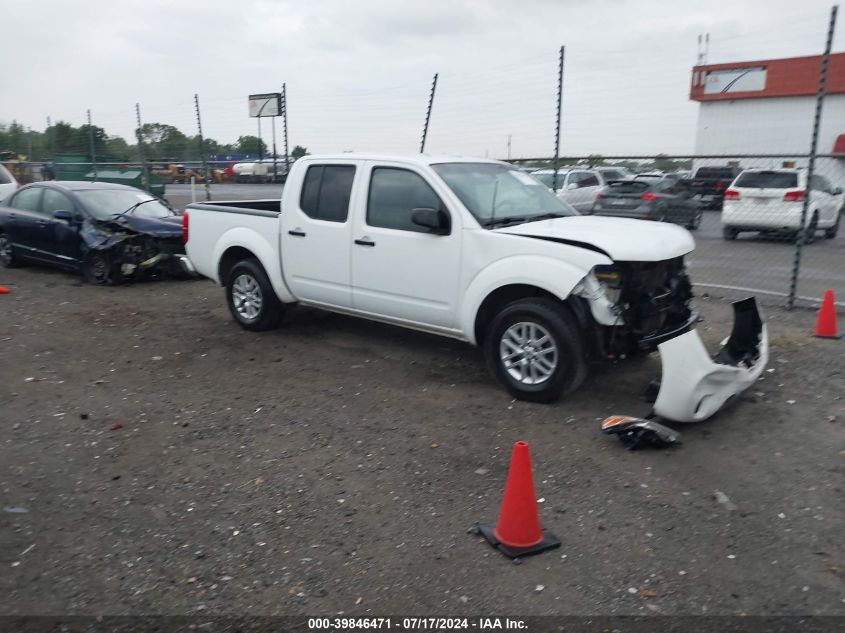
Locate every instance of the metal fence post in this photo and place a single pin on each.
(91, 141)
(202, 149)
(428, 113)
(811, 165)
(145, 177)
(285, 110)
(557, 118)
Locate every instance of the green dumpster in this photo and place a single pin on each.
(133, 177)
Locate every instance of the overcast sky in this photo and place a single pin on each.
(358, 72)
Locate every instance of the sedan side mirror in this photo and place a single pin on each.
(837, 191)
(434, 220)
(68, 216)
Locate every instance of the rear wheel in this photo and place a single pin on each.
(8, 258)
(533, 348)
(251, 298)
(729, 233)
(810, 233)
(695, 222)
(833, 231)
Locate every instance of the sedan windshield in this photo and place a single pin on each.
(500, 194)
(104, 204)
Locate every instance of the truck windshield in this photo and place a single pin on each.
(499, 194)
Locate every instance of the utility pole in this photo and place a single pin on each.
(428, 113)
(202, 149)
(285, 111)
(260, 151)
(91, 142)
(811, 165)
(29, 144)
(145, 176)
(557, 119)
(509, 146)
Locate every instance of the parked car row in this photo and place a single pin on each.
(769, 201)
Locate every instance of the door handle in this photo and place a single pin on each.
(43, 223)
(297, 233)
(365, 242)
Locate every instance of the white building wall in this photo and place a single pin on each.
(780, 125)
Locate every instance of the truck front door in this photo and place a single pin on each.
(399, 269)
(317, 236)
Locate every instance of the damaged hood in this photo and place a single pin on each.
(620, 238)
(170, 226)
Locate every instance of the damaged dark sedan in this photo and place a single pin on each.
(110, 233)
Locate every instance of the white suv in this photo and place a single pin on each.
(578, 187)
(771, 201)
(8, 184)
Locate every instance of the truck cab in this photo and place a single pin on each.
(461, 247)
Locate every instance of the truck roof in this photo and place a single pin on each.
(415, 159)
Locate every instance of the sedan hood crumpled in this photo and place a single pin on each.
(171, 226)
(619, 238)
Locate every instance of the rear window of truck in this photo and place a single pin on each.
(326, 192)
(767, 180)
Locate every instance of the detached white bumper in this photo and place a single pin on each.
(694, 386)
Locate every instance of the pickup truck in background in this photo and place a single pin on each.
(710, 183)
(466, 248)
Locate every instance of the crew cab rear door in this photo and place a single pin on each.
(401, 270)
(316, 235)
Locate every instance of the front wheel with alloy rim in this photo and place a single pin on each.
(7, 253)
(251, 298)
(533, 348)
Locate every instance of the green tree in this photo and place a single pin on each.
(298, 152)
(163, 141)
(251, 145)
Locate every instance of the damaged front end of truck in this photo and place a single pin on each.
(647, 306)
(121, 250)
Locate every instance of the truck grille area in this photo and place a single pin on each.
(655, 298)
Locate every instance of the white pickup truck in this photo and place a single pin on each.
(466, 248)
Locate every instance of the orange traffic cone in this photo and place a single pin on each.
(826, 323)
(4, 290)
(518, 531)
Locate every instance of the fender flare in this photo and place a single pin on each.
(552, 275)
(258, 245)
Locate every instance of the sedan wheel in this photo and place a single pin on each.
(7, 252)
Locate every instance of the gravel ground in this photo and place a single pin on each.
(158, 459)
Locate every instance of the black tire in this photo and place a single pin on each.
(729, 233)
(569, 367)
(98, 269)
(810, 233)
(833, 231)
(248, 279)
(695, 222)
(8, 257)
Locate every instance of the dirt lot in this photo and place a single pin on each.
(335, 465)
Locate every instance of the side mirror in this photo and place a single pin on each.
(68, 216)
(435, 221)
(837, 191)
(571, 186)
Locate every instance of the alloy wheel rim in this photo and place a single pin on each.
(528, 353)
(246, 296)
